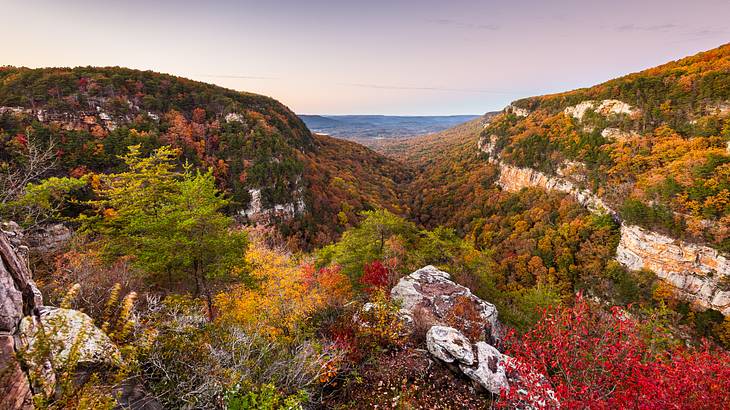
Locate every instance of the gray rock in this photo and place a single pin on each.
(49, 239)
(490, 371)
(429, 295)
(19, 295)
(68, 330)
(449, 345)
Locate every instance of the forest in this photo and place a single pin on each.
(222, 256)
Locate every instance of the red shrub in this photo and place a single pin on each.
(596, 360)
(375, 276)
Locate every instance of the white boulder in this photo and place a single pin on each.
(490, 370)
(449, 345)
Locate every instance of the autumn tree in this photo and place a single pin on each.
(374, 239)
(170, 221)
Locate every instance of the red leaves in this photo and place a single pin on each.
(375, 276)
(600, 360)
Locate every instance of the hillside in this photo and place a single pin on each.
(261, 154)
(653, 145)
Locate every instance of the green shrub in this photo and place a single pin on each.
(265, 397)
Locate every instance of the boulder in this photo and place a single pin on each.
(69, 330)
(449, 345)
(490, 370)
(432, 298)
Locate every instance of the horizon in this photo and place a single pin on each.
(385, 58)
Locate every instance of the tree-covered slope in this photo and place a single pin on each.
(653, 144)
(262, 154)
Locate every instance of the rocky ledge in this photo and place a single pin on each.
(461, 330)
(430, 298)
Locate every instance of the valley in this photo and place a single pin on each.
(213, 243)
(372, 130)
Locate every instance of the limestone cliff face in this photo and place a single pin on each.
(699, 273)
(512, 178)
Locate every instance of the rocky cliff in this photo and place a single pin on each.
(27, 326)
(699, 273)
(19, 297)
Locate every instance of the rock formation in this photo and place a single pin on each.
(71, 335)
(520, 112)
(617, 134)
(513, 179)
(449, 345)
(605, 108)
(698, 272)
(19, 297)
(15, 390)
(439, 308)
(430, 297)
(49, 239)
(486, 367)
(67, 330)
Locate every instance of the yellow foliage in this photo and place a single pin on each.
(286, 294)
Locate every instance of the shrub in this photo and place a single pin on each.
(375, 276)
(266, 397)
(381, 326)
(602, 361)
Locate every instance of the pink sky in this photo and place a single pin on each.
(370, 57)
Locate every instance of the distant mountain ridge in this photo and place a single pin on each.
(362, 127)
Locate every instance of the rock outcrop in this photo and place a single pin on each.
(15, 390)
(617, 134)
(430, 297)
(490, 370)
(513, 179)
(605, 108)
(257, 212)
(486, 368)
(19, 295)
(27, 328)
(520, 112)
(449, 345)
(699, 273)
(49, 239)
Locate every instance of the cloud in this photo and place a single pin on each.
(687, 33)
(656, 27)
(465, 25)
(411, 88)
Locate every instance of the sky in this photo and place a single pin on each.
(391, 57)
